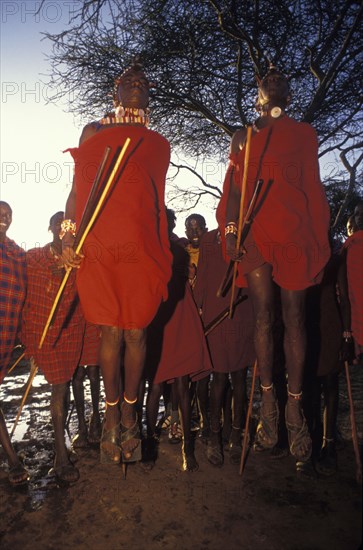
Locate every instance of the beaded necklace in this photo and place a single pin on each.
(127, 115)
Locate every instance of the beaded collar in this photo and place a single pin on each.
(127, 115)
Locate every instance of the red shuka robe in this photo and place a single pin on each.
(61, 350)
(290, 228)
(127, 265)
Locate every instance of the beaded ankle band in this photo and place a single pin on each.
(267, 388)
(296, 396)
(112, 403)
(129, 401)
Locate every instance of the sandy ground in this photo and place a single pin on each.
(268, 507)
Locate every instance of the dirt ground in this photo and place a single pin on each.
(269, 507)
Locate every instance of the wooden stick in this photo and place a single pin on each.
(240, 217)
(247, 221)
(16, 362)
(84, 235)
(246, 434)
(223, 315)
(358, 472)
(33, 372)
(93, 194)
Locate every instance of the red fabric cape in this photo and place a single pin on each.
(354, 247)
(231, 342)
(127, 264)
(176, 343)
(62, 346)
(13, 290)
(291, 226)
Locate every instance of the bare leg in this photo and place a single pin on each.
(327, 463)
(17, 474)
(64, 469)
(217, 392)
(77, 385)
(93, 372)
(111, 340)
(261, 291)
(203, 402)
(239, 404)
(135, 351)
(293, 312)
(182, 386)
(152, 407)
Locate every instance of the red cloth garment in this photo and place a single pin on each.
(290, 228)
(354, 250)
(61, 350)
(12, 295)
(176, 345)
(123, 277)
(91, 345)
(231, 342)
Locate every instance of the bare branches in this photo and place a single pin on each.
(204, 56)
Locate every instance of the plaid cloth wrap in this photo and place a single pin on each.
(62, 346)
(12, 295)
(91, 345)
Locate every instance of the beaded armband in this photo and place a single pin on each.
(231, 227)
(67, 226)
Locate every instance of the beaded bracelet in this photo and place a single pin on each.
(347, 335)
(231, 227)
(67, 226)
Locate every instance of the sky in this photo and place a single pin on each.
(36, 174)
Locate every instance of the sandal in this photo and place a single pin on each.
(267, 429)
(175, 433)
(166, 423)
(66, 473)
(18, 475)
(110, 452)
(298, 433)
(235, 445)
(214, 450)
(127, 434)
(190, 463)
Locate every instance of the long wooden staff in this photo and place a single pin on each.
(240, 217)
(33, 372)
(16, 362)
(249, 411)
(92, 197)
(247, 221)
(84, 235)
(221, 316)
(358, 472)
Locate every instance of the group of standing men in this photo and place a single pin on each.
(126, 267)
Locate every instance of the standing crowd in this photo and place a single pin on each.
(143, 310)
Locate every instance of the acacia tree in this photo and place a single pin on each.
(204, 56)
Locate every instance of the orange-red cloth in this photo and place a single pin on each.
(354, 247)
(290, 228)
(127, 265)
(91, 345)
(231, 342)
(59, 356)
(176, 344)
